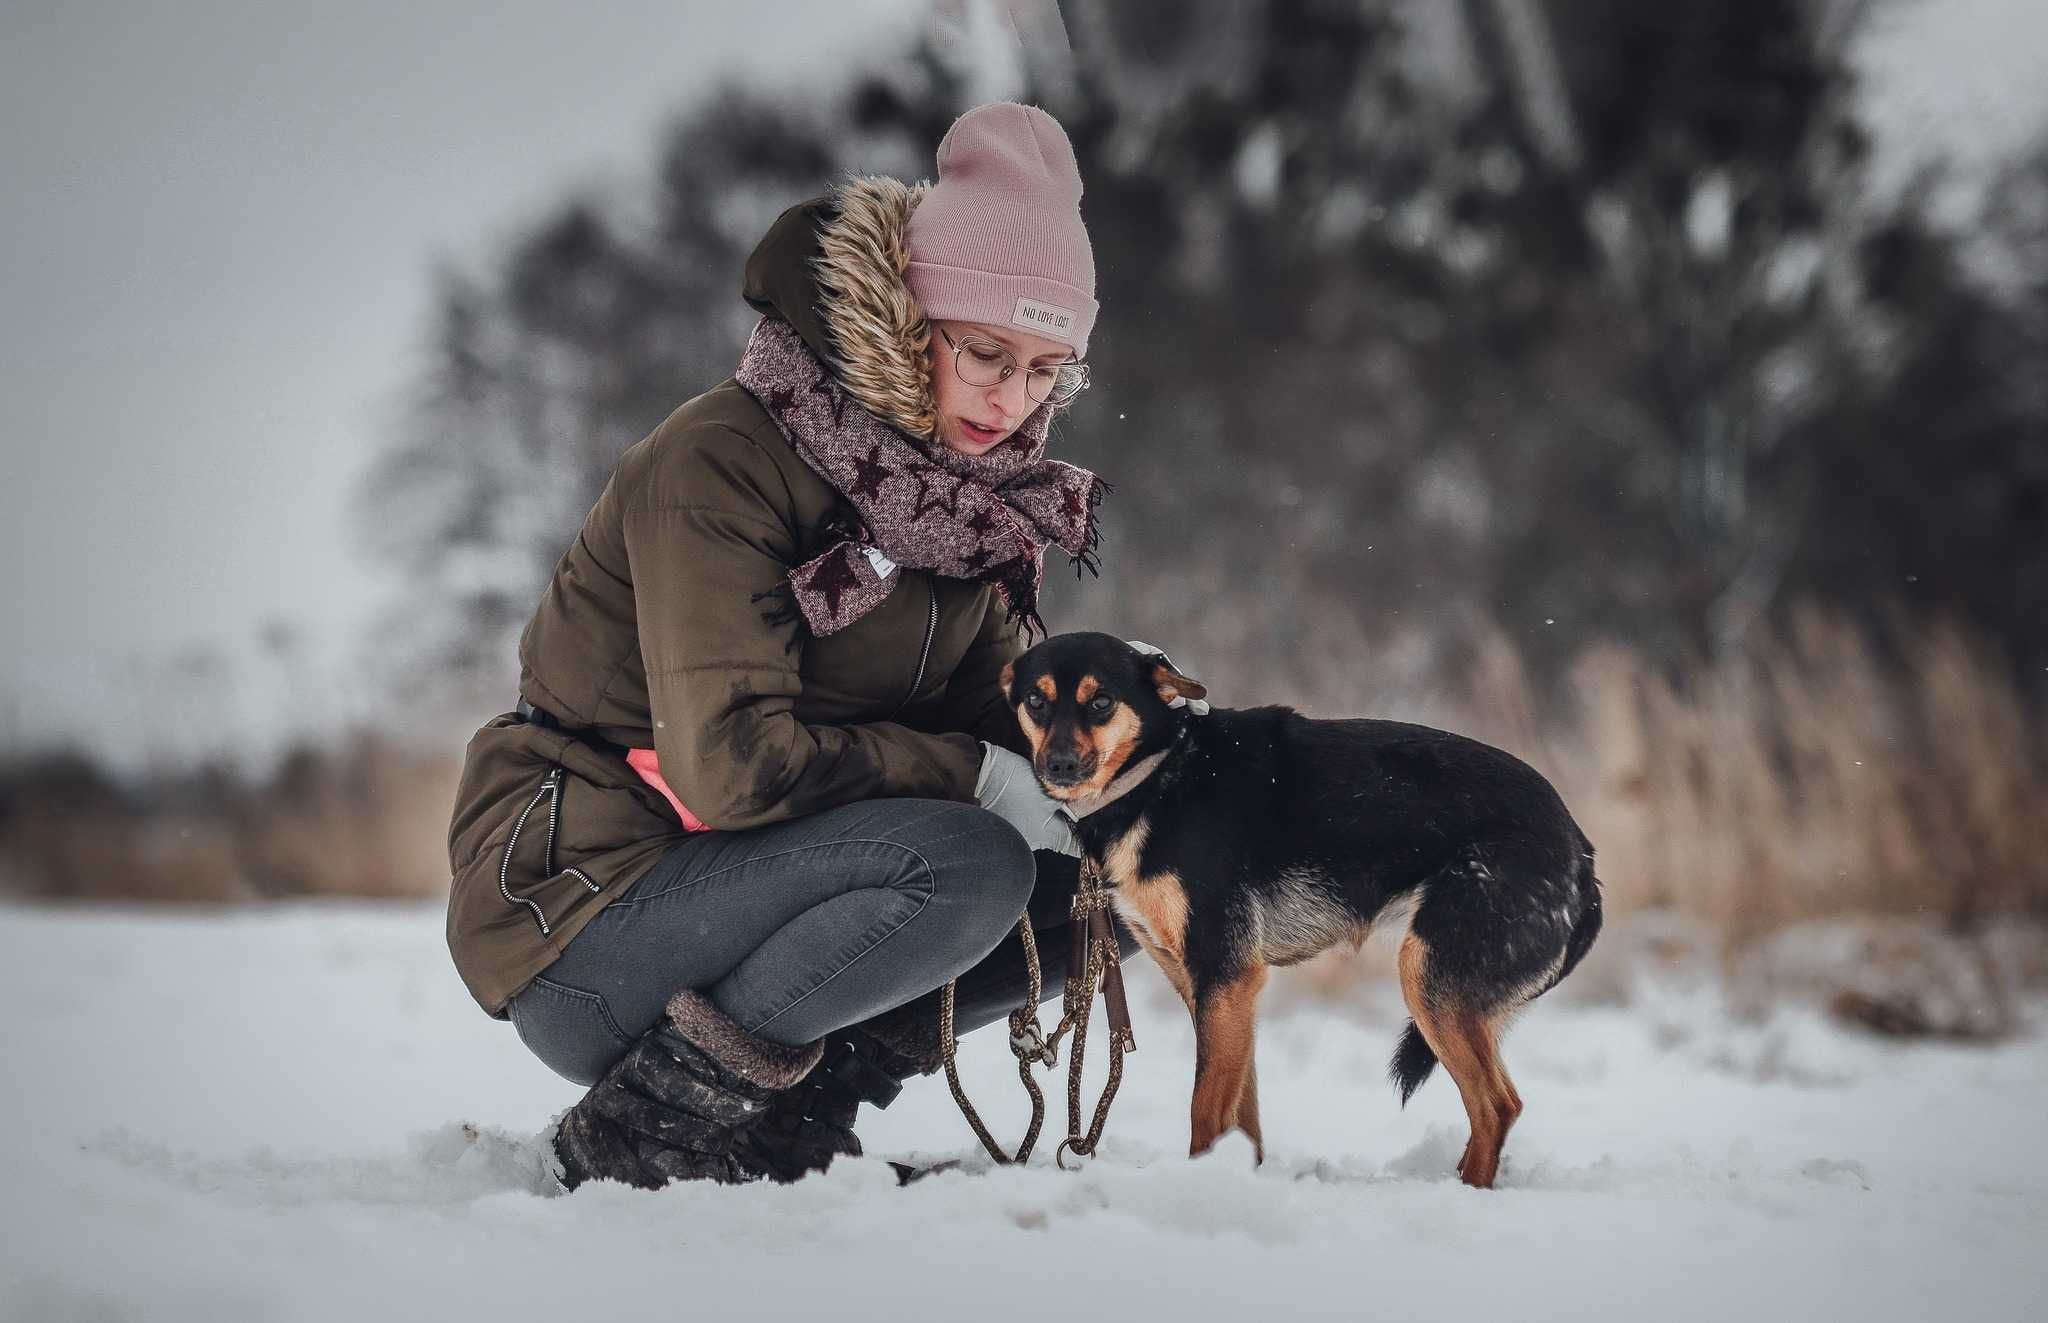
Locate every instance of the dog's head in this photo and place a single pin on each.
(1088, 704)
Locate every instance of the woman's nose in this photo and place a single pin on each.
(1010, 396)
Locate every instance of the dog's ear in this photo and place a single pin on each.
(1008, 677)
(1172, 684)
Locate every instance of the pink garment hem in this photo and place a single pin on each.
(648, 765)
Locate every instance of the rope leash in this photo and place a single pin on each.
(1093, 961)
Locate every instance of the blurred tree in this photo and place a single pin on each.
(1613, 341)
(1940, 458)
(584, 335)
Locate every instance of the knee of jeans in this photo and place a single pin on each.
(995, 868)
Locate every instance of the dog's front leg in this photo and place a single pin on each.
(1226, 1091)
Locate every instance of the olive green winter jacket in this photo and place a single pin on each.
(651, 633)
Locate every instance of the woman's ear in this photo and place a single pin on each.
(1172, 684)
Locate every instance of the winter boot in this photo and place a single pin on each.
(681, 1104)
(811, 1124)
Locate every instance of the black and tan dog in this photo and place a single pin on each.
(1240, 840)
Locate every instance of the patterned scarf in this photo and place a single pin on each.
(984, 517)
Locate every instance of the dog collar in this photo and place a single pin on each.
(1126, 781)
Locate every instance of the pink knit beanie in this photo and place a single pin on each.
(999, 238)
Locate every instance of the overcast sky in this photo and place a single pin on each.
(214, 237)
(218, 220)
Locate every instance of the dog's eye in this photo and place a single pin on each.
(1101, 706)
(1035, 702)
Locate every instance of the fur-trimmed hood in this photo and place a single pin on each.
(833, 268)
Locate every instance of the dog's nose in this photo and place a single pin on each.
(1063, 767)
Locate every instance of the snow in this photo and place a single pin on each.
(261, 1114)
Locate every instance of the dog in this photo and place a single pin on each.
(1243, 839)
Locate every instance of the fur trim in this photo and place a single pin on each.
(754, 1059)
(879, 332)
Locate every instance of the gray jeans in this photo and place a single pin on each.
(807, 926)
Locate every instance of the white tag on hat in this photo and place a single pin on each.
(884, 567)
(1045, 318)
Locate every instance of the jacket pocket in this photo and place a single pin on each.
(549, 792)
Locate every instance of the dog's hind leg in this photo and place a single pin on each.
(1224, 1016)
(1248, 1110)
(1466, 1040)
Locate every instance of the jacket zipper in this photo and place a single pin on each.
(924, 656)
(551, 789)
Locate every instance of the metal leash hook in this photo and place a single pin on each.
(1093, 962)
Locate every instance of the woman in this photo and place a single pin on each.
(762, 797)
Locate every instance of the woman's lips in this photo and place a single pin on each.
(976, 432)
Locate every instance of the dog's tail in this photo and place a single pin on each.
(1413, 1060)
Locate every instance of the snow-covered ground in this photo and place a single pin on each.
(261, 1115)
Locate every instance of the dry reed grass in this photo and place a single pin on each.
(1809, 777)
(1813, 776)
(366, 818)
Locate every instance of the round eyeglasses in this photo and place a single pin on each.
(985, 363)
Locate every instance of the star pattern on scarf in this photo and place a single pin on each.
(836, 398)
(869, 474)
(833, 576)
(928, 500)
(990, 524)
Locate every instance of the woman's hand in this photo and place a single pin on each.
(1007, 789)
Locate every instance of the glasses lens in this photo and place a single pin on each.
(1061, 386)
(980, 363)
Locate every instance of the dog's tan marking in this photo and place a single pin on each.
(1160, 903)
(1170, 964)
(1113, 742)
(1086, 689)
(1468, 1045)
(1034, 734)
(1155, 907)
(1048, 688)
(1176, 972)
(1224, 1078)
(1155, 904)
(1121, 860)
(1248, 1110)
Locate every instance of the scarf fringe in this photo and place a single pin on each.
(1020, 603)
(1089, 557)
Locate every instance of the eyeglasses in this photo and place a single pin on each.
(984, 363)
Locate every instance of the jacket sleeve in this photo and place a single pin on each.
(707, 535)
(974, 700)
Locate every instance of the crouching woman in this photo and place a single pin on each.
(761, 797)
